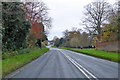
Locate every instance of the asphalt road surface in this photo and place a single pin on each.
(59, 63)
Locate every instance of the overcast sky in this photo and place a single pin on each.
(66, 14)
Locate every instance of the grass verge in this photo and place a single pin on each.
(11, 64)
(98, 53)
(9, 53)
(0, 69)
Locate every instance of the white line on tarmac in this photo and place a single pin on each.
(80, 67)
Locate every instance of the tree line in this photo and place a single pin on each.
(102, 24)
(23, 24)
(74, 38)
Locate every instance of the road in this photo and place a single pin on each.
(59, 63)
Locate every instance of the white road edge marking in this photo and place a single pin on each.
(83, 70)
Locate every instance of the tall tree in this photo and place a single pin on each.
(0, 37)
(37, 12)
(111, 31)
(96, 14)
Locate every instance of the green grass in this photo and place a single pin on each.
(54, 47)
(11, 64)
(9, 53)
(98, 53)
(0, 69)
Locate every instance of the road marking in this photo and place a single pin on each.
(80, 67)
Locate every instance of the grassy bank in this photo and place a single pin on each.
(10, 53)
(11, 64)
(0, 69)
(98, 53)
(54, 47)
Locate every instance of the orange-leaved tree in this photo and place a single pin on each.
(36, 13)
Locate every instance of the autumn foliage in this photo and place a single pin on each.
(37, 30)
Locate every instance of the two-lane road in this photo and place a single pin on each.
(59, 63)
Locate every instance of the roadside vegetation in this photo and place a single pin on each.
(14, 62)
(22, 35)
(101, 32)
(0, 68)
(11, 53)
(97, 53)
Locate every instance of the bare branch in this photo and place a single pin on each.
(96, 14)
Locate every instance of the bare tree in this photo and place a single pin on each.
(65, 33)
(96, 14)
(37, 11)
(115, 11)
